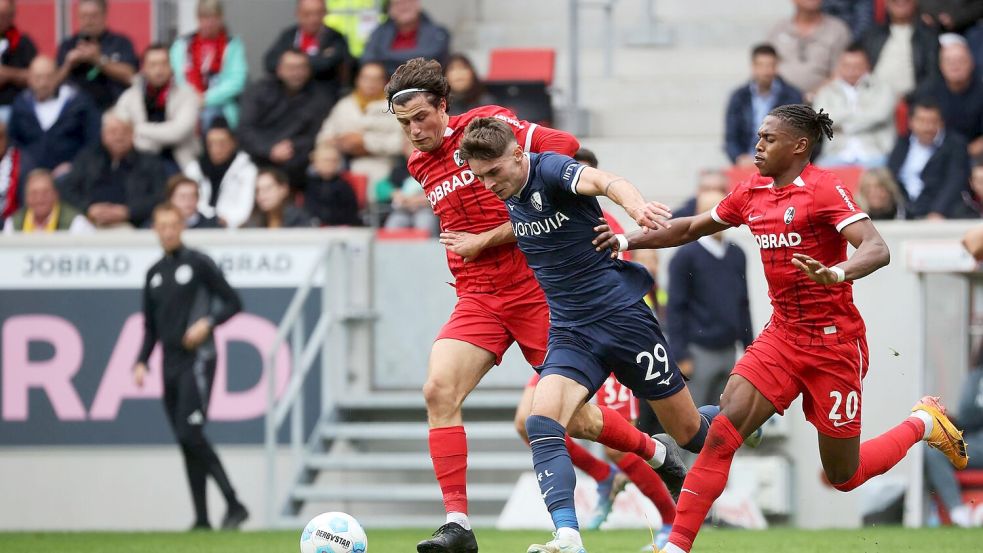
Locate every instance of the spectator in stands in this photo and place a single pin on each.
(939, 473)
(749, 104)
(972, 199)
(951, 16)
(879, 196)
(164, 114)
(213, 63)
(361, 127)
(113, 183)
(467, 90)
(51, 124)
(97, 60)
(43, 209)
(17, 50)
(11, 170)
(226, 177)
(182, 193)
(325, 48)
(328, 197)
(281, 117)
(931, 164)
(410, 207)
(808, 45)
(409, 33)
(708, 312)
(904, 50)
(958, 91)
(863, 131)
(857, 14)
(273, 207)
(355, 20)
(709, 181)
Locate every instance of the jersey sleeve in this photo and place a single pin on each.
(532, 137)
(560, 173)
(835, 205)
(730, 210)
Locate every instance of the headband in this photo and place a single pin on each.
(407, 91)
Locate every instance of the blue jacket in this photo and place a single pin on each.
(741, 129)
(75, 129)
(432, 42)
(708, 299)
(227, 85)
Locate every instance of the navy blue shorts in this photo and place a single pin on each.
(628, 343)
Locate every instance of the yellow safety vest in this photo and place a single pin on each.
(355, 19)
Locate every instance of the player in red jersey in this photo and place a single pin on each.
(499, 300)
(802, 218)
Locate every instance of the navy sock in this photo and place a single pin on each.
(554, 470)
(707, 414)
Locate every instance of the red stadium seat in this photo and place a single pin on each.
(359, 184)
(402, 234)
(522, 64)
(40, 19)
(901, 118)
(971, 483)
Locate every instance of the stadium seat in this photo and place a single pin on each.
(41, 18)
(522, 64)
(901, 118)
(971, 483)
(519, 79)
(360, 185)
(402, 234)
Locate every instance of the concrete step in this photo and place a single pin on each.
(412, 431)
(395, 493)
(675, 122)
(414, 461)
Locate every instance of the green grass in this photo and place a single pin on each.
(887, 540)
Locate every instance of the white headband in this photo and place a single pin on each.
(407, 91)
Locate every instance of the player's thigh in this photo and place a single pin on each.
(570, 367)
(455, 369)
(832, 387)
(526, 317)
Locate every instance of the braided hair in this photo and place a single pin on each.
(802, 118)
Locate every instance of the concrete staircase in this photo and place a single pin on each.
(659, 119)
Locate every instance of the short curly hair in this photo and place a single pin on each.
(486, 138)
(426, 75)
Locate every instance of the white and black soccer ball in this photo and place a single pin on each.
(333, 533)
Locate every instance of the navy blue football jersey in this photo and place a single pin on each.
(554, 227)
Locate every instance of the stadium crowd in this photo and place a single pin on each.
(109, 126)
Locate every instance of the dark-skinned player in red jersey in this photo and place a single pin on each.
(802, 218)
(499, 300)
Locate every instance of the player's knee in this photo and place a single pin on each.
(439, 396)
(842, 478)
(685, 429)
(614, 455)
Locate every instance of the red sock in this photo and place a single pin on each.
(583, 460)
(649, 483)
(449, 452)
(618, 433)
(879, 454)
(705, 481)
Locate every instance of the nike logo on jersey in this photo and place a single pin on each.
(754, 217)
(689, 491)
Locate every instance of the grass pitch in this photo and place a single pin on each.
(886, 540)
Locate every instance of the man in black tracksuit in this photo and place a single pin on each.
(184, 297)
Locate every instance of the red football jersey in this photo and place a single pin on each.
(803, 217)
(462, 204)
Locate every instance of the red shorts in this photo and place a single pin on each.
(613, 395)
(829, 377)
(493, 321)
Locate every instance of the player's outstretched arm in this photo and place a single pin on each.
(470, 246)
(872, 254)
(680, 231)
(648, 215)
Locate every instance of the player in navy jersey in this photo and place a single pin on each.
(815, 346)
(599, 322)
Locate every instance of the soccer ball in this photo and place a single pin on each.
(333, 533)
